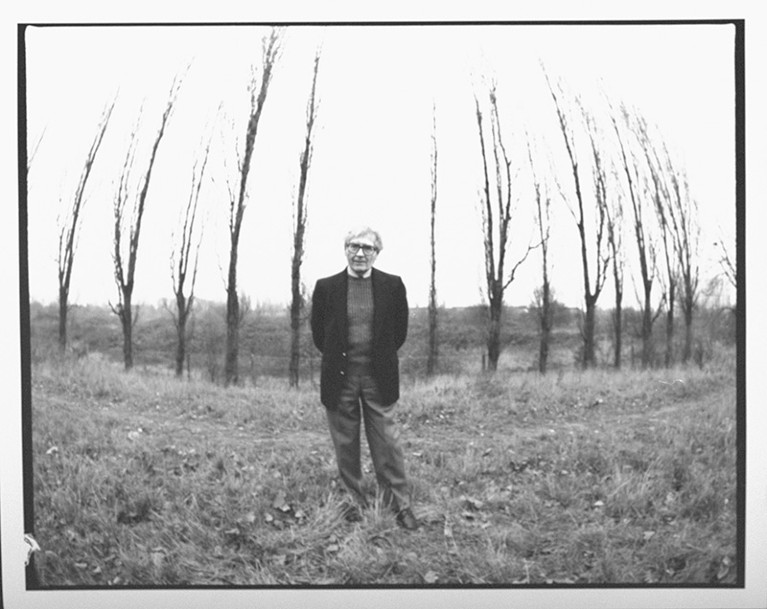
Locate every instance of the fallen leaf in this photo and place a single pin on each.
(279, 500)
(431, 577)
(157, 559)
(471, 503)
(648, 535)
(448, 529)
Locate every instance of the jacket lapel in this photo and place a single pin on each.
(379, 303)
(340, 286)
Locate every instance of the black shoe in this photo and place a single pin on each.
(406, 520)
(351, 512)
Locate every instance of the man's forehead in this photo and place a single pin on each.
(363, 238)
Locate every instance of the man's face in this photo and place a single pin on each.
(361, 253)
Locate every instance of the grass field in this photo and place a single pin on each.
(573, 478)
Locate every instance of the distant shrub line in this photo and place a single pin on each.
(265, 339)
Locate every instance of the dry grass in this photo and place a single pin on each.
(586, 478)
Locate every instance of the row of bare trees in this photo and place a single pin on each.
(129, 208)
(618, 182)
(613, 159)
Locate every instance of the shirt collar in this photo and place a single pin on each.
(351, 273)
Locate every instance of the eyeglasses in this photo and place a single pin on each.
(368, 250)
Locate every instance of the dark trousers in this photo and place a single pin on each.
(360, 401)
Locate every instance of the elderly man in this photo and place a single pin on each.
(359, 321)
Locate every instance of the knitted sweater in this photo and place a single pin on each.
(360, 324)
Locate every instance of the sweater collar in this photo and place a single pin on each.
(355, 276)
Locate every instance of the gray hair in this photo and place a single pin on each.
(362, 231)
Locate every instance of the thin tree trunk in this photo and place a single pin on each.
(231, 365)
(63, 309)
(181, 334)
(669, 356)
(126, 319)
(295, 332)
(545, 318)
(589, 332)
(647, 322)
(618, 328)
(494, 332)
(181, 350)
(431, 362)
(688, 332)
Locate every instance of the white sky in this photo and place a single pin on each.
(371, 161)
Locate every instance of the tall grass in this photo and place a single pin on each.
(579, 477)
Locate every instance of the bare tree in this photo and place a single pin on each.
(68, 228)
(497, 214)
(431, 361)
(182, 256)
(686, 235)
(594, 237)
(238, 200)
(543, 295)
(661, 197)
(125, 261)
(643, 234)
(300, 210)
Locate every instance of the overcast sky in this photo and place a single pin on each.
(377, 85)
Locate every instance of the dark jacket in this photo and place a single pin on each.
(329, 331)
